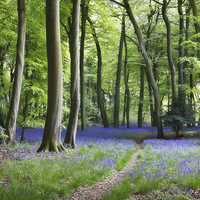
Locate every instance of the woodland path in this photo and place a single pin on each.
(101, 188)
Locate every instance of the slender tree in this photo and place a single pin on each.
(99, 89)
(196, 24)
(70, 138)
(26, 99)
(126, 76)
(152, 81)
(180, 62)
(3, 98)
(51, 140)
(14, 105)
(141, 97)
(169, 50)
(118, 78)
(84, 11)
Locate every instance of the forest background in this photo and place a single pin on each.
(115, 85)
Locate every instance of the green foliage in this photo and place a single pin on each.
(107, 19)
(179, 114)
(3, 136)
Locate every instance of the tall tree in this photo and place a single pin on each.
(25, 110)
(70, 138)
(181, 35)
(196, 24)
(118, 78)
(51, 140)
(169, 50)
(84, 11)
(142, 69)
(14, 105)
(126, 76)
(141, 47)
(99, 89)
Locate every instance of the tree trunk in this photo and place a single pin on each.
(124, 111)
(149, 70)
(118, 78)
(51, 140)
(153, 121)
(25, 110)
(70, 138)
(84, 11)
(141, 97)
(99, 91)
(197, 26)
(180, 63)
(14, 105)
(3, 98)
(89, 86)
(187, 24)
(126, 76)
(169, 50)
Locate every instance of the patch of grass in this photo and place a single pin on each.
(163, 164)
(54, 176)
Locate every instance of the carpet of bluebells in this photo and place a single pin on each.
(100, 152)
(92, 133)
(176, 160)
(164, 163)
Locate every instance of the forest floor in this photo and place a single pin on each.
(100, 189)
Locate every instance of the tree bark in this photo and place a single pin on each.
(14, 105)
(180, 63)
(197, 26)
(127, 92)
(99, 91)
(141, 97)
(4, 97)
(51, 140)
(26, 99)
(70, 138)
(84, 11)
(118, 78)
(124, 110)
(169, 50)
(149, 70)
(187, 25)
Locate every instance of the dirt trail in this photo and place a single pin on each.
(101, 188)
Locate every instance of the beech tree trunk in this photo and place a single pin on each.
(197, 26)
(70, 138)
(124, 110)
(51, 140)
(26, 99)
(4, 97)
(187, 25)
(149, 70)
(84, 11)
(169, 50)
(126, 76)
(180, 63)
(99, 90)
(14, 105)
(118, 78)
(140, 120)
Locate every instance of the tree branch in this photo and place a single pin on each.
(139, 47)
(158, 2)
(65, 27)
(117, 3)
